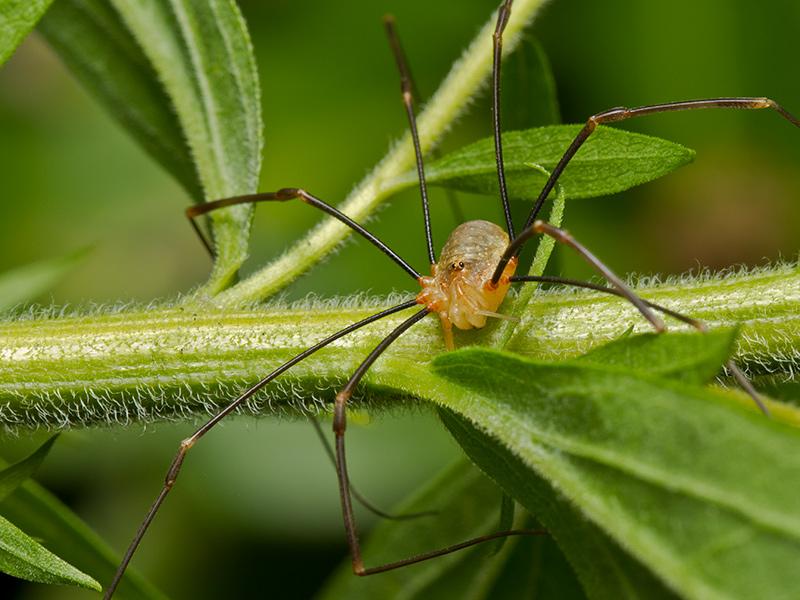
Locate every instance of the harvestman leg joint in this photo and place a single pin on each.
(466, 286)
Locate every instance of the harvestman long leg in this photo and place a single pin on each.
(192, 212)
(564, 237)
(340, 413)
(283, 195)
(407, 90)
(360, 497)
(608, 116)
(188, 443)
(621, 114)
(737, 373)
(397, 49)
(503, 14)
(290, 194)
(339, 427)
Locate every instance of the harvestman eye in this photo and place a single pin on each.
(463, 298)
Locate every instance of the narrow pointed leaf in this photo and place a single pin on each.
(611, 161)
(44, 517)
(17, 18)
(607, 570)
(23, 557)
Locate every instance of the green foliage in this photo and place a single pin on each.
(219, 109)
(610, 161)
(675, 474)
(17, 18)
(44, 517)
(21, 555)
(684, 356)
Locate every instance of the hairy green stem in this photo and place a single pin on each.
(539, 264)
(465, 79)
(138, 364)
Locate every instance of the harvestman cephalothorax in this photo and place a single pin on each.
(466, 286)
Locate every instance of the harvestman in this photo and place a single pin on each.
(466, 286)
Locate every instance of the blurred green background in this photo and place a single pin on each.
(257, 504)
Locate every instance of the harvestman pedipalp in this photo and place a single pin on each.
(466, 286)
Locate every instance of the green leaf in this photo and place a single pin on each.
(201, 53)
(14, 476)
(17, 18)
(101, 52)
(21, 556)
(468, 505)
(691, 357)
(529, 89)
(608, 571)
(44, 517)
(203, 56)
(701, 490)
(605, 571)
(26, 283)
(611, 161)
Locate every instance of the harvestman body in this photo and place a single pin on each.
(466, 286)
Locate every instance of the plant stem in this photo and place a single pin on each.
(465, 79)
(543, 252)
(132, 364)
